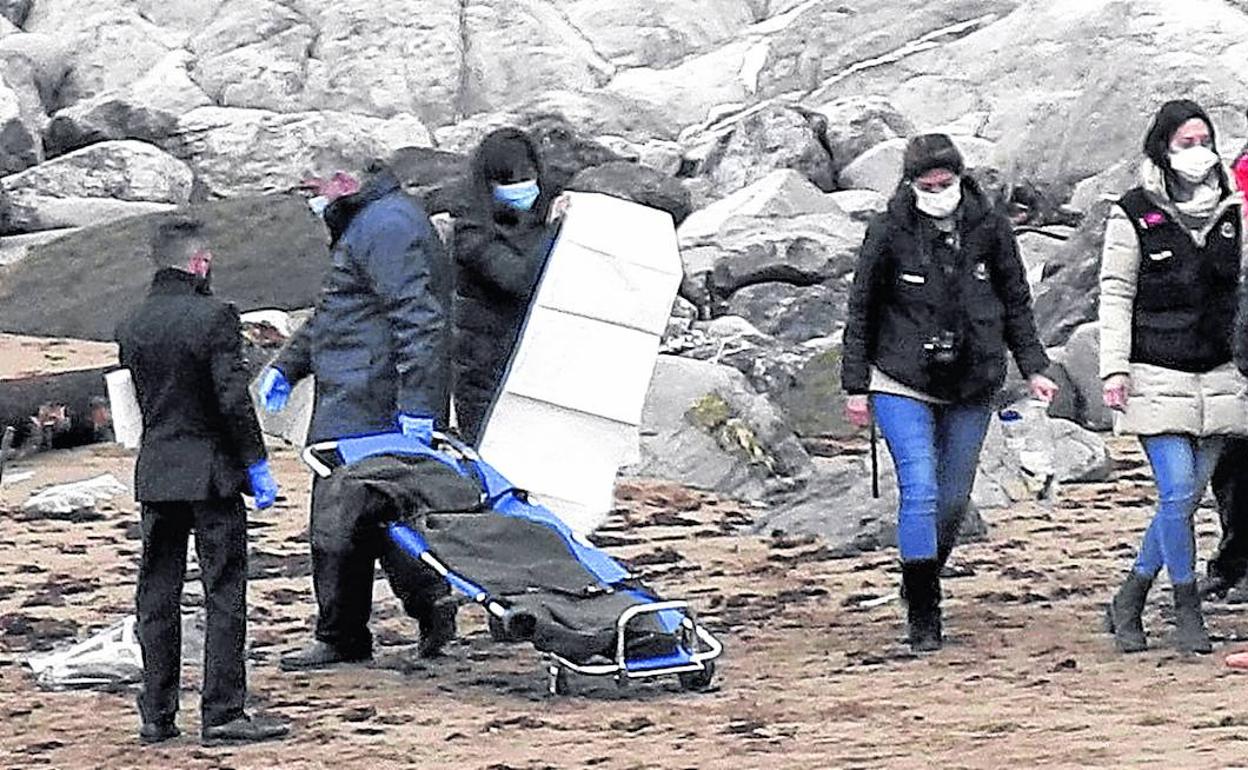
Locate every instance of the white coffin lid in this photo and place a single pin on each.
(569, 410)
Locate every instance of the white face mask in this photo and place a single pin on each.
(318, 205)
(1193, 164)
(940, 204)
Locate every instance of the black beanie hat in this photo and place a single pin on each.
(1169, 118)
(931, 151)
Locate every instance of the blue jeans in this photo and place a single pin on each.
(935, 451)
(1182, 466)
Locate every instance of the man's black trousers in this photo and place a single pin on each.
(1230, 485)
(344, 582)
(220, 528)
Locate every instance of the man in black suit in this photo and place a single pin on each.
(1229, 566)
(201, 450)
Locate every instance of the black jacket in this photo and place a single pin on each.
(200, 432)
(1185, 300)
(497, 267)
(379, 342)
(900, 302)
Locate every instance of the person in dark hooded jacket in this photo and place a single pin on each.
(1229, 566)
(939, 295)
(379, 346)
(500, 250)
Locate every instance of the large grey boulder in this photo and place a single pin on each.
(792, 314)
(704, 426)
(241, 151)
(254, 53)
(268, 251)
(147, 110)
(589, 114)
(520, 48)
(856, 124)
(781, 194)
(1029, 72)
(690, 91)
(880, 167)
(634, 182)
(97, 184)
(21, 116)
(108, 44)
(49, 59)
(16, 11)
(839, 507)
(775, 137)
(644, 33)
(1067, 297)
(803, 250)
(1079, 358)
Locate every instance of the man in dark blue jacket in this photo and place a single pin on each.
(379, 347)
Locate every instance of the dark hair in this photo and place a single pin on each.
(927, 152)
(1169, 119)
(169, 235)
(507, 155)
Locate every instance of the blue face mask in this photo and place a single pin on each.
(520, 196)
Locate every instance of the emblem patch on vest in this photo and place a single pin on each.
(1228, 230)
(1161, 256)
(981, 271)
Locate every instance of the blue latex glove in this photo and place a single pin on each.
(274, 390)
(420, 428)
(263, 485)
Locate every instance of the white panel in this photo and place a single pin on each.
(559, 453)
(568, 414)
(628, 231)
(596, 285)
(588, 366)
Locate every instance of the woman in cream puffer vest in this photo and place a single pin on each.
(1170, 273)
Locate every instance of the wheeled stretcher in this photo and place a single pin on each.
(540, 583)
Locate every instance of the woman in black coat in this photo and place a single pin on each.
(501, 246)
(939, 297)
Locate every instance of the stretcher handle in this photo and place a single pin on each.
(311, 454)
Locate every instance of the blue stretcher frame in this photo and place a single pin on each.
(698, 648)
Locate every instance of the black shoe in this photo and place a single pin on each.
(1124, 617)
(245, 729)
(921, 584)
(322, 655)
(1190, 634)
(1217, 585)
(437, 628)
(158, 732)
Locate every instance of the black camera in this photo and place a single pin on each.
(942, 348)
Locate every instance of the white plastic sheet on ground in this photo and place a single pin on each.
(110, 658)
(65, 499)
(568, 415)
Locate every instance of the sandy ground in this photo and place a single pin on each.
(24, 356)
(810, 680)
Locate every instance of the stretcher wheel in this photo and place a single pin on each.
(696, 681)
(497, 633)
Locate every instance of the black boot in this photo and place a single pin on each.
(921, 585)
(1190, 634)
(437, 627)
(322, 655)
(158, 732)
(1124, 615)
(245, 729)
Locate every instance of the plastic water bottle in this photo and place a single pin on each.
(1029, 437)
